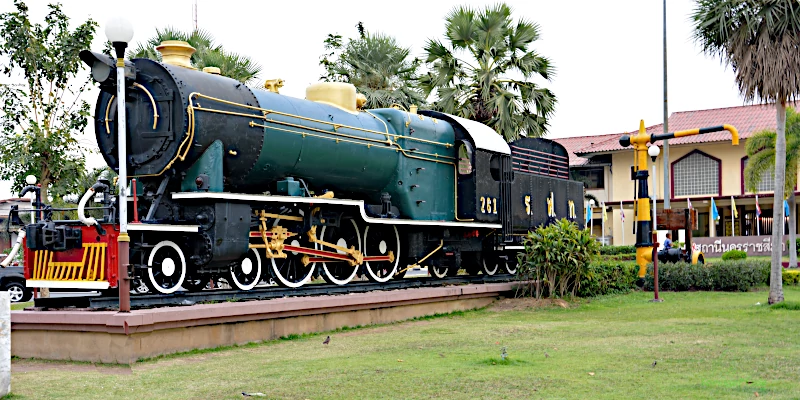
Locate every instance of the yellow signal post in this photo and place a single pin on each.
(639, 173)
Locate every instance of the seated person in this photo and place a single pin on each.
(668, 242)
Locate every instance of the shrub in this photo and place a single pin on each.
(791, 277)
(612, 250)
(618, 257)
(734, 255)
(607, 277)
(731, 275)
(556, 256)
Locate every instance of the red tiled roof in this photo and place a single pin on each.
(747, 120)
(574, 144)
(16, 199)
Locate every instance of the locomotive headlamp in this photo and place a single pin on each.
(104, 67)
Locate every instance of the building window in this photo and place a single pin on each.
(767, 183)
(592, 178)
(695, 174)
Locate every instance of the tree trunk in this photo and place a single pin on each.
(45, 182)
(776, 273)
(792, 229)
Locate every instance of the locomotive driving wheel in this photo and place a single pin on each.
(290, 271)
(345, 235)
(245, 273)
(490, 264)
(167, 267)
(380, 240)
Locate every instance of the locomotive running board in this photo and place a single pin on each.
(316, 200)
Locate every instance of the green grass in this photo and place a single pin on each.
(21, 306)
(706, 344)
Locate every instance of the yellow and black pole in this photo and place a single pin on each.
(644, 225)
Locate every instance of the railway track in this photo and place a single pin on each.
(259, 293)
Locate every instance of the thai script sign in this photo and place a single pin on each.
(752, 245)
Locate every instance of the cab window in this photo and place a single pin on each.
(464, 159)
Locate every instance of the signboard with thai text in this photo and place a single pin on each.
(752, 245)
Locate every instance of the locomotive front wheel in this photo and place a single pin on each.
(245, 273)
(379, 240)
(345, 235)
(290, 271)
(167, 267)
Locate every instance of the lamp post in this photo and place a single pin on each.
(119, 32)
(654, 151)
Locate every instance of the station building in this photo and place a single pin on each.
(701, 168)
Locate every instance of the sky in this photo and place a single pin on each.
(608, 54)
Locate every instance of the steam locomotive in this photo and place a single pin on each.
(248, 184)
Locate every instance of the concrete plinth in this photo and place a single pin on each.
(111, 337)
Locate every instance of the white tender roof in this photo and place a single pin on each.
(485, 138)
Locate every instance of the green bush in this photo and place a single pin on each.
(731, 275)
(556, 257)
(608, 277)
(612, 250)
(734, 255)
(791, 277)
(618, 257)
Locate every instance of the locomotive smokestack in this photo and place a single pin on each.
(176, 52)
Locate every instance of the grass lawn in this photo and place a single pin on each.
(705, 345)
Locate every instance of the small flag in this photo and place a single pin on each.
(588, 212)
(714, 212)
(605, 216)
(733, 207)
(758, 208)
(689, 202)
(621, 212)
(785, 209)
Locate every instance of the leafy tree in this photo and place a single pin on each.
(761, 153)
(485, 68)
(207, 54)
(759, 40)
(42, 117)
(376, 65)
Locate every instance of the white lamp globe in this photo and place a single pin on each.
(654, 151)
(591, 202)
(30, 179)
(119, 29)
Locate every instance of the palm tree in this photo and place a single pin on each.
(759, 40)
(207, 53)
(484, 72)
(761, 160)
(377, 66)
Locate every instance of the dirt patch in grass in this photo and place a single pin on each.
(23, 366)
(527, 303)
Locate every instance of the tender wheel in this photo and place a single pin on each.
(379, 240)
(490, 265)
(167, 267)
(510, 267)
(17, 292)
(346, 235)
(290, 271)
(246, 273)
